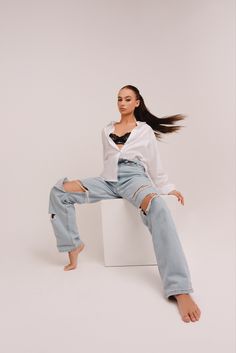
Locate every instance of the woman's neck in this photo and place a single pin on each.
(127, 120)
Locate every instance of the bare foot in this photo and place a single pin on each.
(188, 309)
(73, 254)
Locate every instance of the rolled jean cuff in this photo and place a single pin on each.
(178, 291)
(69, 248)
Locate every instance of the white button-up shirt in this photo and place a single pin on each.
(141, 144)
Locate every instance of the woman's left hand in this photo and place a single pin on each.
(178, 195)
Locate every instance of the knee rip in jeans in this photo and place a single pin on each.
(82, 186)
(141, 187)
(146, 203)
(84, 189)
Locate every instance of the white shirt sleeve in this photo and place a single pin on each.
(155, 168)
(104, 144)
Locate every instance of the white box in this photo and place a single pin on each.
(126, 240)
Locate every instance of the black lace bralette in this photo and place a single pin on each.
(120, 139)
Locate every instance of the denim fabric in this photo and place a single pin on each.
(133, 184)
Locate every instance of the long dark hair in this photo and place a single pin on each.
(159, 125)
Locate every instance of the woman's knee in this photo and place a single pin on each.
(74, 186)
(146, 203)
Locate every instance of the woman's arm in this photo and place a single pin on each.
(157, 173)
(156, 170)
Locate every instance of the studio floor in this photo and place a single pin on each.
(112, 309)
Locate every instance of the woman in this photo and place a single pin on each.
(132, 170)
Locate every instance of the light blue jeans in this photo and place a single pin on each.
(133, 184)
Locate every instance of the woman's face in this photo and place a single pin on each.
(127, 101)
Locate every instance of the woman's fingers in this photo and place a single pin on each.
(180, 197)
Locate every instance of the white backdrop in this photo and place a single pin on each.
(62, 64)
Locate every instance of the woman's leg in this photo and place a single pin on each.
(171, 260)
(136, 187)
(62, 209)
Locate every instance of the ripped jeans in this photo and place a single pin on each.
(133, 184)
